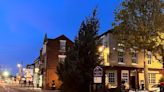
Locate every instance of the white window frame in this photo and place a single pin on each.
(152, 78)
(149, 57)
(63, 45)
(123, 77)
(120, 57)
(112, 77)
(134, 57)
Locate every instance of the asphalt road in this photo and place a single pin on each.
(14, 88)
(7, 88)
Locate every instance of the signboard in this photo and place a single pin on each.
(97, 79)
(98, 73)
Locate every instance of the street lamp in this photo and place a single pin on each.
(19, 65)
(101, 48)
(20, 71)
(6, 74)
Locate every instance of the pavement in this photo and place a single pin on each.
(18, 88)
(138, 91)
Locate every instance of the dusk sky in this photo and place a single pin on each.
(23, 24)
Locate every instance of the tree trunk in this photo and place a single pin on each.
(146, 73)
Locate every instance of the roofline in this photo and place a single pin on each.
(60, 36)
(109, 31)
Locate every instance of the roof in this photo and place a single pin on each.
(50, 39)
(109, 31)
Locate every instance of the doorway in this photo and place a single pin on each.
(133, 82)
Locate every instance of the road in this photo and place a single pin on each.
(11, 88)
(6, 88)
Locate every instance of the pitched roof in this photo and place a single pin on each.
(109, 31)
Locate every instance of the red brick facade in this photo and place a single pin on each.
(50, 59)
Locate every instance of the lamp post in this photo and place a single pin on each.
(6, 74)
(19, 71)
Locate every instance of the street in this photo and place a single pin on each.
(14, 88)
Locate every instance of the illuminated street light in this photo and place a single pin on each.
(101, 48)
(6, 73)
(18, 65)
(24, 69)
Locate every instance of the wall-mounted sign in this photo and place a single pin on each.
(98, 71)
(97, 80)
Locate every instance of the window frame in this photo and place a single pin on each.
(113, 78)
(63, 45)
(152, 78)
(125, 78)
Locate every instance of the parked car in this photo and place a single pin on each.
(155, 88)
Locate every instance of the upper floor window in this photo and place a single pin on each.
(134, 56)
(62, 45)
(120, 57)
(149, 57)
(121, 53)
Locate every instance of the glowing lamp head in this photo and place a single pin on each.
(18, 65)
(6, 73)
(101, 48)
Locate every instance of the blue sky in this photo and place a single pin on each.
(23, 24)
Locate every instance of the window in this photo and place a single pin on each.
(62, 45)
(152, 78)
(112, 77)
(134, 57)
(121, 53)
(149, 56)
(125, 75)
(120, 57)
(61, 58)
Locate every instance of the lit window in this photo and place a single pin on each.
(152, 78)
(134, 57)
(121, 53)
(62, 45)
(112, 77)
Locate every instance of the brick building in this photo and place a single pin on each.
(53, 52)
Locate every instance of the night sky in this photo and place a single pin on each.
(23, 24)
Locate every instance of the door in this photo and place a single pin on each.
(133, 82)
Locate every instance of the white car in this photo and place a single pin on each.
(155, 88)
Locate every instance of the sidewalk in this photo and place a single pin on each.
(33, 89)
(41, 90)
(37, 89)
(138, 91)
